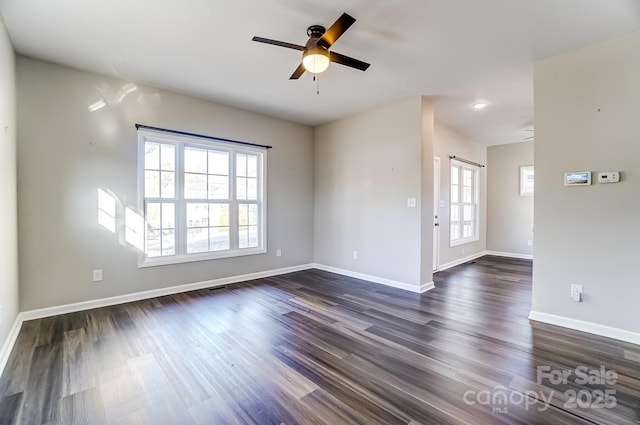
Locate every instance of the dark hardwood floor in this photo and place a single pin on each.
(317, 348)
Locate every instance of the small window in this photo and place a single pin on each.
(464, 208)
(201, 199)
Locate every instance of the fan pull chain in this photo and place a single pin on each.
(317, 80)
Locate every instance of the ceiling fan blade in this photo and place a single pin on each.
(336, 30)
(298, 72)
(278, 43)
(347, 61)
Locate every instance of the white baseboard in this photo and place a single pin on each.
(461, 261)
(375, 279)
(10, 342)
(424, 287)
(482, 254)
(589, 327)
(137, 296)
(510, 255)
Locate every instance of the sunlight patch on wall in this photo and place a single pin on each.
(106, 210)
(134, 229)
(96, 106)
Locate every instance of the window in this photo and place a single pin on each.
(464, 203)
(526, 180)
(201, 199)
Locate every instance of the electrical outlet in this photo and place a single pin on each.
(278, 252)
(576, 293)
(355, 255)
(97, 275)
(411, 202)
(529, 242)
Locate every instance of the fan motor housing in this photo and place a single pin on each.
(316, 31)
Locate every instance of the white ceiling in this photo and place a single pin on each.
(457, 51)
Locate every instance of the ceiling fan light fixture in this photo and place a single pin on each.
(480, 105)
(316, 60)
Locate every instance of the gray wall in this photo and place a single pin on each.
(66, 152)
(586, 118)
(8, 206)
(366, 166)
(447, 143)
(509, 215)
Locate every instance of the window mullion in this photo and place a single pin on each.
(181, 205)
(460, 204)
(233, 203)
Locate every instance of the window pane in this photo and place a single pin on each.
(243, 214)
(195, 160)
(197, 240)
(253, 236)
(455, 213)
(252, 189)
(218, 163)
(219, 215)
(468, 213)
(467, 194)
(197, 215)
(195, 186)
(168, 189)
(455, 193)
(151, 184)
(455, 231)
(151, 156)
(243, 237)
(253, 214)
(241, 165)
(153, 215)
(467, 177)
(468, 230)
(168, 242)
(219, 239)
(168, 216)
(252, 166)
(168, 157)
(454, 175)
(218, 187)
(241, 188)
(153, 243)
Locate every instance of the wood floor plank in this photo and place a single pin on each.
(43, 396)
(10, 406)
(314, 347)
(83, 408)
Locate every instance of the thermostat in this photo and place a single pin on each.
(609, 177)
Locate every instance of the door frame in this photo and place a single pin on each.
(436, 213)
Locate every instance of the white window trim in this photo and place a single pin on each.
(194, 141)
(476, 227)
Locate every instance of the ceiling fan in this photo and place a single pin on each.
(315, 53)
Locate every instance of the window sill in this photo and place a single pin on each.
(462, 242)
(144, 262)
